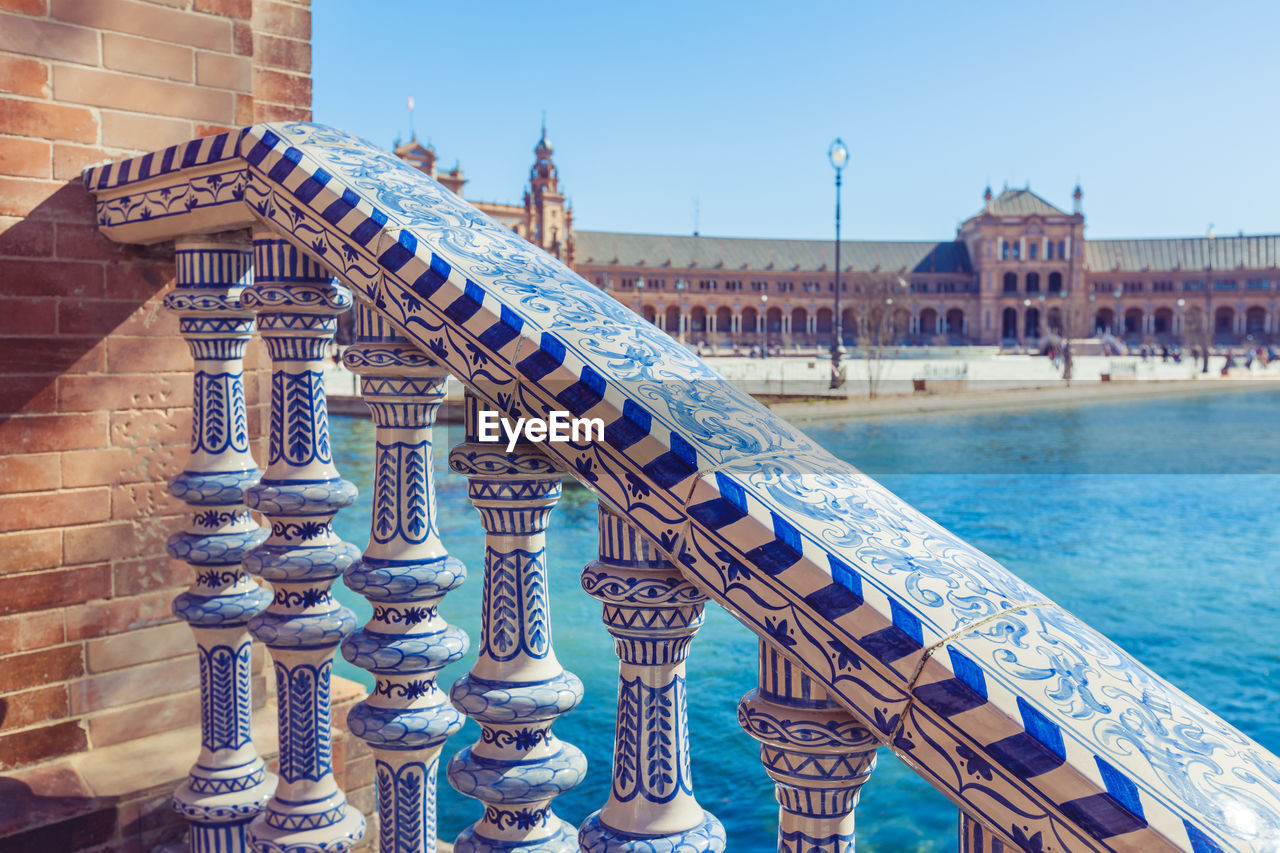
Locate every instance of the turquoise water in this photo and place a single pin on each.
(1155, 522)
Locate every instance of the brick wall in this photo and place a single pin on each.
(95, 391)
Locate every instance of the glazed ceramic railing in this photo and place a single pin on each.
(878, 627)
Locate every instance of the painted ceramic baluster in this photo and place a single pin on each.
(652, 613)
(404, 573)
(297, 303)
(976, 838)
(818, 756)
(517, 688)
(229, 784)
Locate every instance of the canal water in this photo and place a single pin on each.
(1156, 522)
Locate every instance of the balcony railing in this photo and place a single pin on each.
(877, 627)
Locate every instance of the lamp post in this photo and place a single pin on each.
(639, 296)
(764, 324)
(681, 284)
(1026, 304)
(1117, 322)
(839, 156)
(1208, 304)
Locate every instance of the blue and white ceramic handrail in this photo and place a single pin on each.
(1042, 730)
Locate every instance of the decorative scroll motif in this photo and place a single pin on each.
(818, 756)
(228, 783)
(517, 688)
(299, 493)
(405, 572)
(652, 613)
(179, 198)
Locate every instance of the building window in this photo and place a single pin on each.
(1048, 251)
(1133, 287)
(759, 286)
(1258, 284)
(1062, 250)
(1055, 281)
(1004, 249)
(1224, 285)
(1010, 282)
(1031, 251)
(1033, 282)
(1161, 287)
(1102, 287)
(1193, 285)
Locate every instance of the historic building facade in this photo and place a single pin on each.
(1019, 271)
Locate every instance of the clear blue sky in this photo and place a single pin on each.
(1165, 111)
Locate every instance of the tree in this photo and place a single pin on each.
(879, 309)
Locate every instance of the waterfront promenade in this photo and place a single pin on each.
(963, 379)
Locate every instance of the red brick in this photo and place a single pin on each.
(29, 395)
(143, 391)
(38, 510)
(279, 87)
(47, 121)
(28, 158)
(69, 161)
(57, 588)
(28, 550)
(113, 616)
(223, 71)
(49, 39)
(82, 831)
(242, 39)
(28, 317)
(145, 355)
(123, 91)
(134, 684)
(85, 242)
(147, 57)
(44, 200)
(116, 540)
(93, 318)
(23, 76)
(41, 744)
(241, 9)
(44, 666)
(147, 718)
(212, 129)
(288, 54)
(30, 472)
(244, 109)
(31, 631)
(274, 112)
(145, 19)
(44, 433)
(34, 706)
(283, 19)
(39, 8)
(139, 281)
(31, 238)
(130, 577)
(51, 355)
(121, 465)
(143, 501)
(43, 278)
(141, 646)
(143, 133)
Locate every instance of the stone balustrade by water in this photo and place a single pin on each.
(878, 629)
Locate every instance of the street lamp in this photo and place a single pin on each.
(681, 284)
(1117, 324)
(764, 324)
(839, 156)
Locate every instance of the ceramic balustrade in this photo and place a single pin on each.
(652, 612)
(229, 785)
(1042, 730)
(817, 754)
(404, 573)
(517, 688)
(297, 303)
